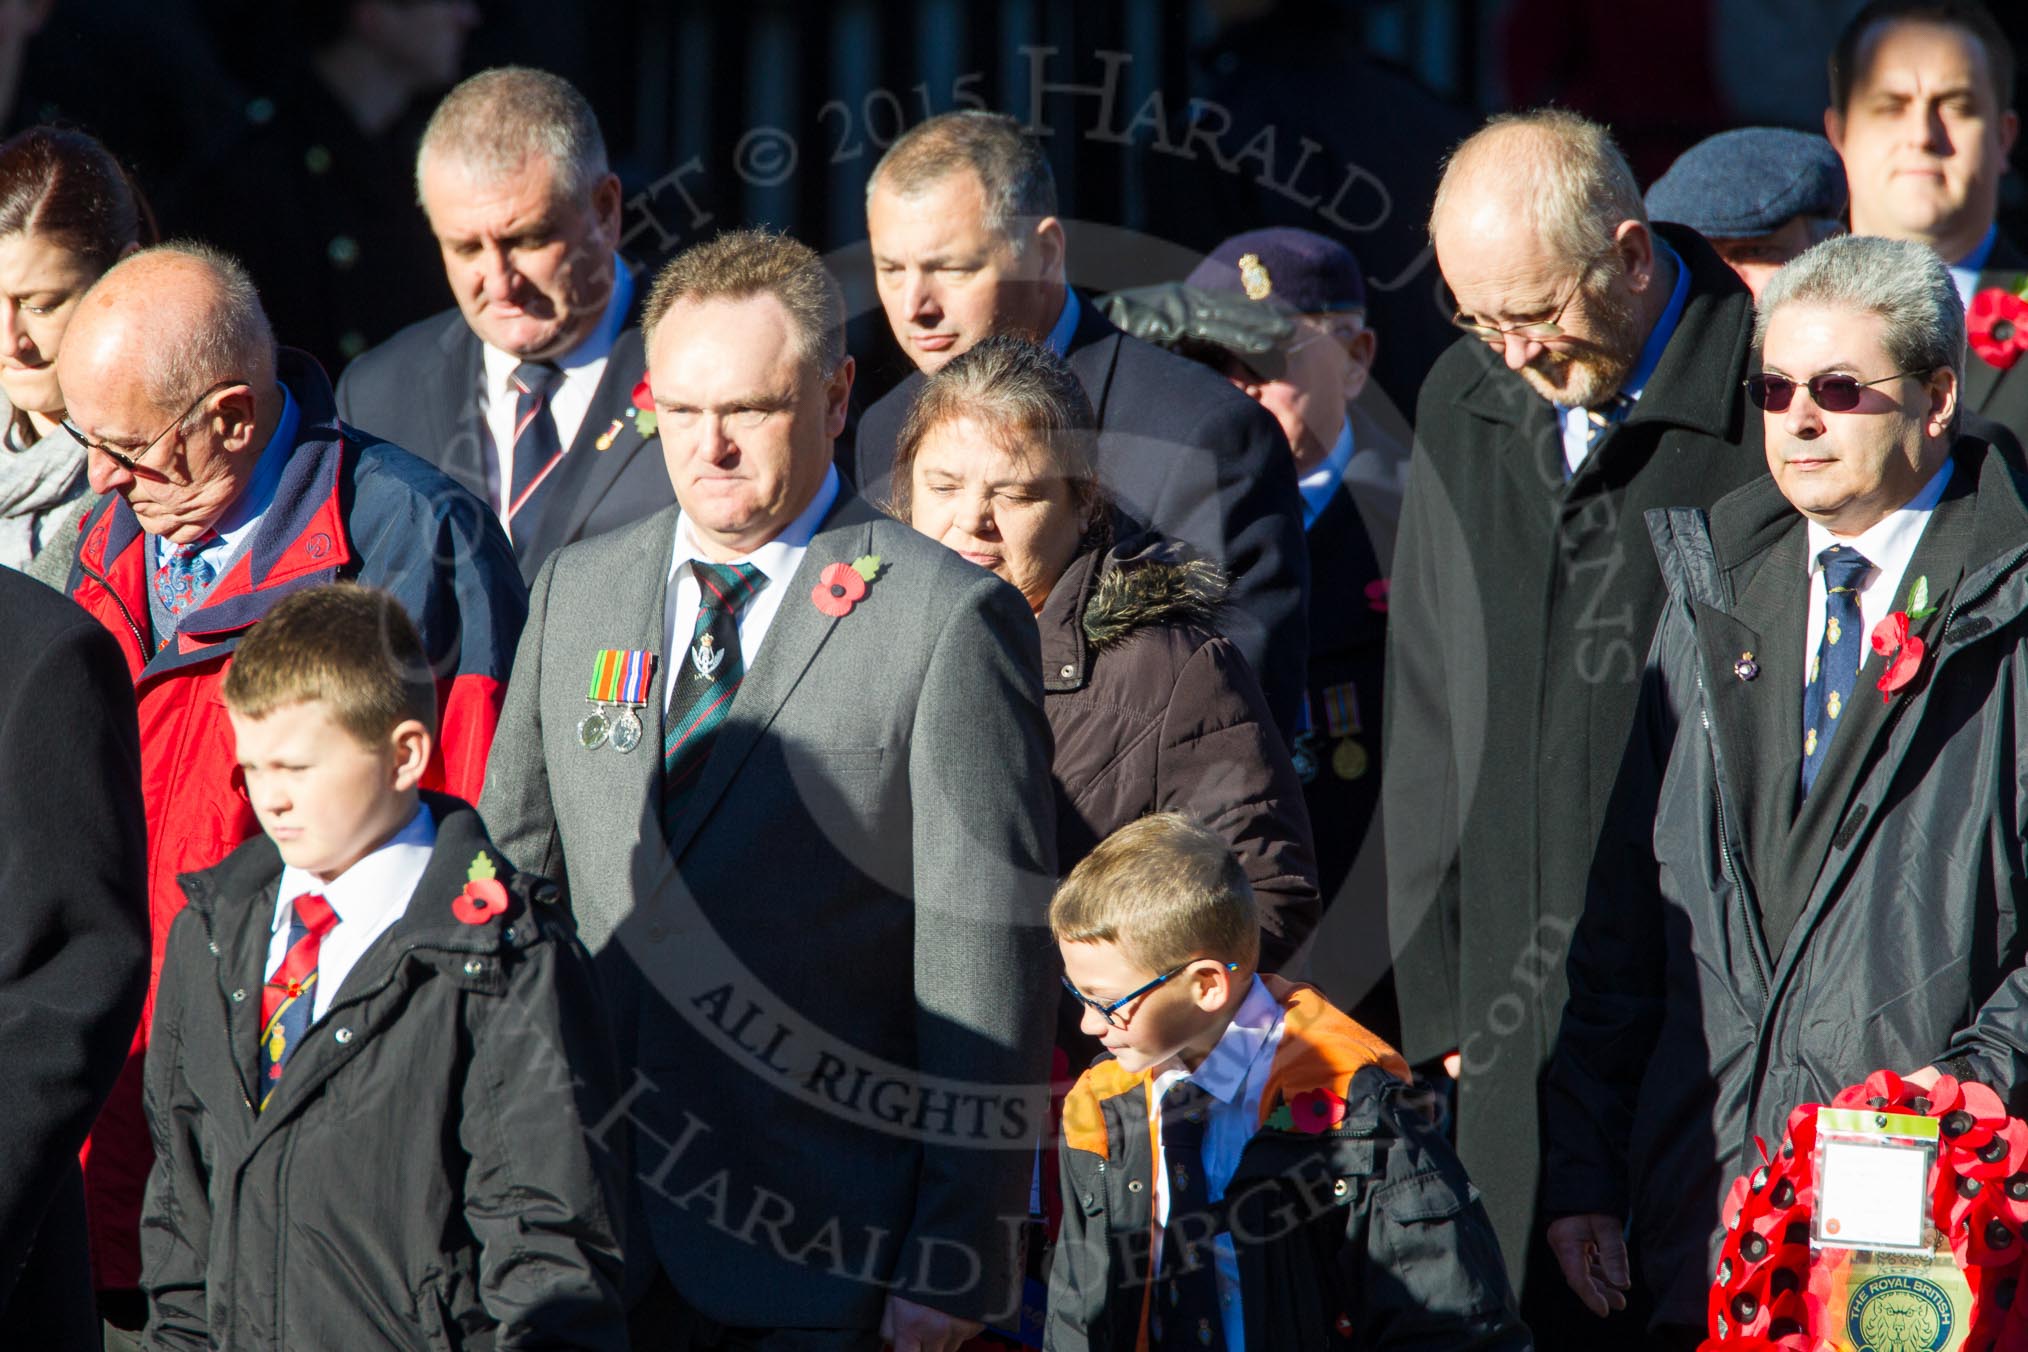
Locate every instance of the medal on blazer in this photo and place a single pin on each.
(620, 676)
(1348, 759)
(1303, 755)
(1341, 711)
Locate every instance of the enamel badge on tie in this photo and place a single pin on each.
(620, 676)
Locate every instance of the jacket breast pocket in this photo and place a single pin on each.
(1437, 1248)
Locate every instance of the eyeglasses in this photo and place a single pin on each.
(1111, 1013)
(1831, 393)
(1536, 331)
(130, 461)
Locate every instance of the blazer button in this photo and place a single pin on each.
(239, 996)
(344, 1035)
(508, 934)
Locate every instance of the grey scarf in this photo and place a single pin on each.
(35, 483)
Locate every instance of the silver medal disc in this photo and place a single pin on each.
(593, 729)
(626, 731)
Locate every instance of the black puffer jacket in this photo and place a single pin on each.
(1153, 711)
(429, 1174)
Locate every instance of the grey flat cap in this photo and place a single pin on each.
(1749, 182)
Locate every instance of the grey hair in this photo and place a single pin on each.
(229, 339)
(1903, 282)
(1016, 178)
(493, 122)
(1020, 390)
(1570, 183)
(739, 264)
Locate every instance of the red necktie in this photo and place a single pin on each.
(290, 994)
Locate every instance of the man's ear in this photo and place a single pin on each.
(837, 396)
(606, 200)
(1943, 401)
(1635, 244)
(1048, 238)
(1834, 130)
(238, 411)
(1359, 351)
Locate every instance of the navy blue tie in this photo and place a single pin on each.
(1835, 668)
(1185, 1314)
(537, 447)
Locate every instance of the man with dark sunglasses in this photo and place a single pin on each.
(1598, 377)
(1814, 866)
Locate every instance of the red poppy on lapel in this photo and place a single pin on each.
(842, 586)
(1996, 325)
(484, 897)
(1316, 1112)
(1902, 650)
(1376, 595)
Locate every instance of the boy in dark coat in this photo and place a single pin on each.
(1243, 1169)
(380, 1063)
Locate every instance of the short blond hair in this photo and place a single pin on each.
(1165, 890)
(354, 648)
(738, 264)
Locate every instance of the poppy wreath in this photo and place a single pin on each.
(1996, 326)
(1769, 1295)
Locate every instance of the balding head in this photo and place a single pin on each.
(1542, 238)
(168, 370)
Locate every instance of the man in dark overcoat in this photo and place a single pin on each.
(1814, 866)
(73, 943)
(1599, 378)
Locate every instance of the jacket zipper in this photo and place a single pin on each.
(125, 614)
(1725, 856)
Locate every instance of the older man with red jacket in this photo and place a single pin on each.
(227, 483)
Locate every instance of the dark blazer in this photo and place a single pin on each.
(1187, 456)
(73, 943)
(1351, 543)
(1520, 611)
(1764, 947)
(2000, 396)
(419, 390)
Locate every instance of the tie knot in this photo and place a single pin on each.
(1843, 567)
(314, 913)
(1185, 1096)
(539, 378)
(727, 586)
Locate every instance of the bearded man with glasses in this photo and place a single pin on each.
(1599, 377)
(1814, 865)
(227, 482)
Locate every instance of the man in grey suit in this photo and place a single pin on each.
(789, 760)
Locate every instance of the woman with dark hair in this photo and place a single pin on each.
(1151, 708)
(68, 212)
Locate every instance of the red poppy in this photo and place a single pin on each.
(482, 899)
(1902, 650)
(838, 589)
(644, 399)
(1317, 1111)
(1996, 325)
(1376, 595)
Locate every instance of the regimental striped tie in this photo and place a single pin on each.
(537, 447)
(1835, 668)
(291, 993)
(707, 679)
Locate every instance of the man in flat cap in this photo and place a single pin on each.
(1761, 195)
(1281, 313)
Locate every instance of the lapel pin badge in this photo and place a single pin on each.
(1746, 668)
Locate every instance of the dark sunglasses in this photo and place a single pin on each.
(1111, 1012)
(1833, 394)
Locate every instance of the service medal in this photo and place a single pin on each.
(1303, 755)
(1348, 760)
(619, 676)
(1341, 710)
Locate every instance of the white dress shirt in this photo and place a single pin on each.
(778, 560)
(1888, 545)
(367, 898)
(583, 367)
(1235, 1075)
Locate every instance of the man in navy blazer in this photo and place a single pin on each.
(524, 393)
(966, 243)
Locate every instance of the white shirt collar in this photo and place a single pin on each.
(1223, 1073)
(778, 557)
(366, 892)
(1889, 543)
(596, 347)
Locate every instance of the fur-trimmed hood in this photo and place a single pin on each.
(1106, 596)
